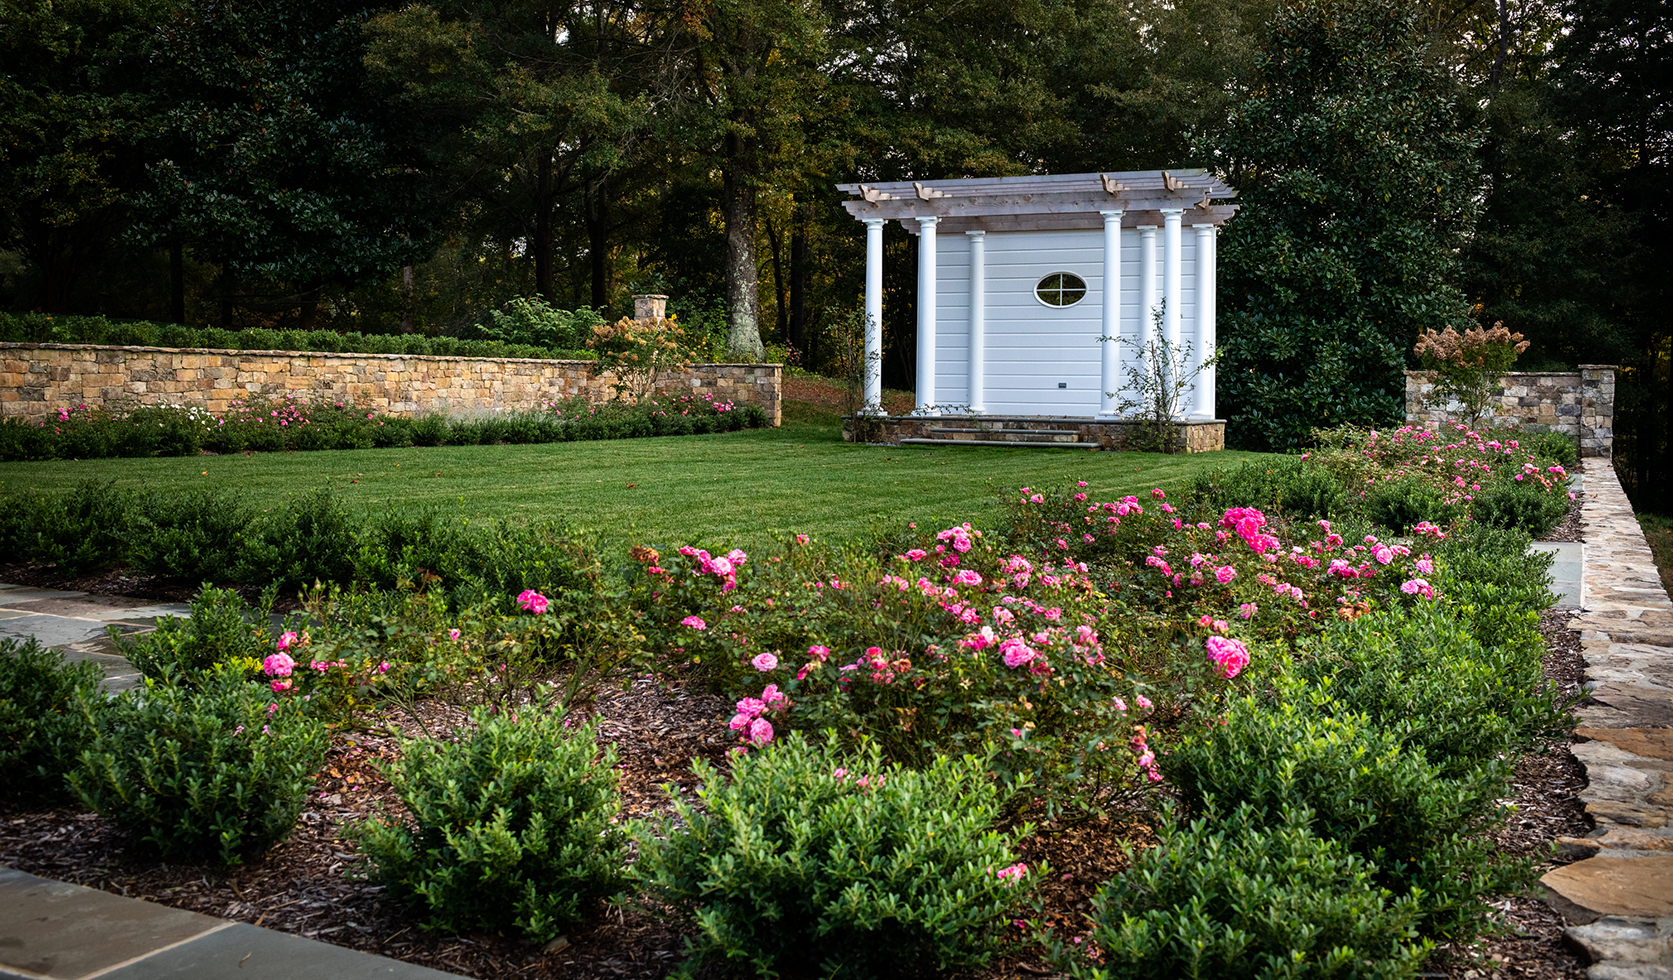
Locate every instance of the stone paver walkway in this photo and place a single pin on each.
(79, 623)
(53, 931)
(1618, 897)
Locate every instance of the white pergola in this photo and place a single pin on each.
(1071, 204)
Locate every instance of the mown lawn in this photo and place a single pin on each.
(744, 488)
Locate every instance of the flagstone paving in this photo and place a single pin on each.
(1618, 897)
(50, 930)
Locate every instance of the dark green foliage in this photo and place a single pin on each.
(1358, 185)
(1555, 447)
(191, 534)
(210, 774)
(1368, 789)
(511, 826)
(1425, 675)
(1401, 503)
(42, 727)
(1248, 894)
(1286, 485)
(794, 865)
(309, 539)
(221, 630)
(1510, 504)
(175, 431)
(82, 529)
(40, 328)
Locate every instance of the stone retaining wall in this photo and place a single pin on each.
(1616, 896)
(36, 380)
(1579, 404)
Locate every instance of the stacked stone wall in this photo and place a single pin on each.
(37, 380)
(1579, 404)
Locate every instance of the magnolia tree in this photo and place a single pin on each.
(1470, 367)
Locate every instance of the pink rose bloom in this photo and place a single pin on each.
(753, 707)
(286, 641)
(1231, 655)
(819, 653)
(1248, 610)
(533, 601)
(917, 554)
(1144, 703)
(453, 634)
(1016, 652)
(1013, 873)
(764, 662)
(720, 566)
(1224, 574)
(1425, 566)
(1418, 586)
(760, 732)
(279, 664)
(1383, 554)
(967, 576)
(771, 695)
(695, 622)
(737, 556)
(739, 722)
(280, 686)
(801, 539)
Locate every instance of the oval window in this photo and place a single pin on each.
(1061, 289)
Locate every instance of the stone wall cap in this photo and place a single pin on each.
(1599, 367)
(14, 345)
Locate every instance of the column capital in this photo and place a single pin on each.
(976, 234)
(1116, 213)
(1171, 212)
(927, 220)
(875, 222)
(1148, 229)
(1206, 224)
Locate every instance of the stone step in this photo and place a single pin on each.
(1002, 429)
(1002, 443)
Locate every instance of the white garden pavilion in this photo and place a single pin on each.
(1022, 281)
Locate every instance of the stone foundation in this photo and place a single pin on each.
(1579, 404)
(1199, 436)
(36, 380)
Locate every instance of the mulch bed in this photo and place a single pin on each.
(310, 884)
(1571, 527)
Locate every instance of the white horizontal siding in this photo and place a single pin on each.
(1031, 347)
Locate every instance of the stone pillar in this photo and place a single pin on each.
(1202, 349)
(649, 306)
(1109, 376)
(873, 367)
(978, 320)
(926, 313)
(1597, 410)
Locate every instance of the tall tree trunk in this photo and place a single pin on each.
(781, 301)
(598, 241)
(406, 299)
(177, 283)
(225, 289)
(1502, 48)
(542, 243)
(801, 269)
(310, 306)
(743, 330)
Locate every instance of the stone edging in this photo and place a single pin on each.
(1618, 897)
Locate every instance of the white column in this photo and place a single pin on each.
(926, 312)
(1208, 268)
(1202, 332)
(1148, 298)
(978, 320)
(873, 367)
(1171, 255)
(1110, 375)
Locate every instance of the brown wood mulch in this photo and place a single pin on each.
(1571, 526)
